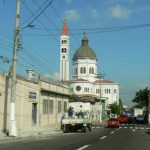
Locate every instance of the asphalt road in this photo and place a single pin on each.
(128, 137)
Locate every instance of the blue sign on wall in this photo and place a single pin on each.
(32, 95)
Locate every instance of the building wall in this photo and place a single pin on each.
(29, 97)
(87, 63)
(106, 91)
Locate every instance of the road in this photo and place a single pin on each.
(127, 137)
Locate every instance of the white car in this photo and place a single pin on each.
(140, 118)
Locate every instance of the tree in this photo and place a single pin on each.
(141, 98)
(115, 108)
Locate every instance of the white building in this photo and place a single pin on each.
(86, 83)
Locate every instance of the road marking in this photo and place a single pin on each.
(97, 127)
(142, 128)
(147, 128)
(112, 132)
(125, 127)
(103, 137)
(133, 130)
(83, 147)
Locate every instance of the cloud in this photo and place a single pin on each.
(94, 14)
(72, 15)
(119, 12)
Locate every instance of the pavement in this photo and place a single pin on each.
(29, 135)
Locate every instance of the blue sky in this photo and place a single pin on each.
(122, 55)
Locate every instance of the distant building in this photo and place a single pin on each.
(86, 83)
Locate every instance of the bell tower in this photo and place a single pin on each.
(64, 53)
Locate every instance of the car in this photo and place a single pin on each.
(123, 118)
(140, 119)
(113, 122)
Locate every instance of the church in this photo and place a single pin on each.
(85, 81)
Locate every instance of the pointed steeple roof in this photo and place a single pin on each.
(64, 29)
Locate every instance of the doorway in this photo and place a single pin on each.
(34, 113)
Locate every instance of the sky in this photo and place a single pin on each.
(118, 32)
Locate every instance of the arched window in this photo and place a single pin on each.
(92, 70)
(76, 70)
(83, 70)
(64, 50)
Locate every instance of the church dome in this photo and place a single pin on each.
(84, 51)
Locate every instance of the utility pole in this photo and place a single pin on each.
(149, 107)
(13, 128)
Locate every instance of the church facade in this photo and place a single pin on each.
(85, 81)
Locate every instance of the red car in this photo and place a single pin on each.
(113, 122)
(123, 118)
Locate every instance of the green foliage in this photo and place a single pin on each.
(73, 98)
(141, 98)
(115, 108)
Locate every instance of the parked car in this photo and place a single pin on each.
(113, 122)
(123, 118)
(140, 119)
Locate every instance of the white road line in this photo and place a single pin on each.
(147, 128)
(112, 132)
(83, 147)
(125, 127)
(97, 127)
(133, 130)
(103, 137)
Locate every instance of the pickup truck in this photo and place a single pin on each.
(76, 124)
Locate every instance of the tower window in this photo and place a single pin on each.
(64, 50)
(64, 41)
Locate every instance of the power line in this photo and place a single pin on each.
(93, 30)
(42, 10)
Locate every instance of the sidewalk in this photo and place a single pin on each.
(37, 134)
(28, 136)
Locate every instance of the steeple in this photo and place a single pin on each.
(64, 29)
(64, 53)
(85, 40)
